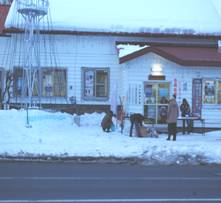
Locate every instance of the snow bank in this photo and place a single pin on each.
(55, 134)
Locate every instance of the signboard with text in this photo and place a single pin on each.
(197, 97)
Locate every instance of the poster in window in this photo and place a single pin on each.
(197, 97)
(151, 112)
(148, 90)
(163, 95)
(163, 92)
(48, 84)
(89, 78)
(209, 91)
(89, 83)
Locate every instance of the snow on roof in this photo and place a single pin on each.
(126, 49)
(141, 16)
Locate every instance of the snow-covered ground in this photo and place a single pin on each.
(54, 134)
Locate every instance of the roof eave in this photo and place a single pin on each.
(127, 34)
(169, 57)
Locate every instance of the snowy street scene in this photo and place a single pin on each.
(110, 101)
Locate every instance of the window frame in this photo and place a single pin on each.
(216, 81)
(157, 104)
(94, 69)
(20, 69)
(54, 69)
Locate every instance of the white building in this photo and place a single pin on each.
(112, 49)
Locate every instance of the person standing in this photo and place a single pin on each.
(185, 112)
(172, 115)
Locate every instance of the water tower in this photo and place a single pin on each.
(32, 11)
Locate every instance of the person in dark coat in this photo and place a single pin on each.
(107, 122)
(185, 111)
(137, 120)
(172, 115)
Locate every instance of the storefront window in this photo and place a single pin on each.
(156, 102)
(211, 91)
(95, 83)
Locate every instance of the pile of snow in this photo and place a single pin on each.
(140, 16)
(55, 134)
(126, 49)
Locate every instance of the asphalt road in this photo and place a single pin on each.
(42, 182)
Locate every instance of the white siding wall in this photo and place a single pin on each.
(136, 73)
(74, 52)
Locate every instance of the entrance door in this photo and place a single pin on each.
(156, 97)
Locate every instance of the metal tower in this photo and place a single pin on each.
(32, 11)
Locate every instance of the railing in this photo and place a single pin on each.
(192, 118)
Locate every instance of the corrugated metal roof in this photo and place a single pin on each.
(188, 56)
(3, 14)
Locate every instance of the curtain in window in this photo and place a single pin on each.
(54, 83)
(101, 84)
(95, 83)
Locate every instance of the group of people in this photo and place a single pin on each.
(137, 119)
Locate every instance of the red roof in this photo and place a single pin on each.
(3, 14)
(188, 56)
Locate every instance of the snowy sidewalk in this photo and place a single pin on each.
(55, 135)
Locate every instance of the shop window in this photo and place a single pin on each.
(212, 91)
(95, 83)
(156, 102)
(54, 83)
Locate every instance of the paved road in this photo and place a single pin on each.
(22, 182)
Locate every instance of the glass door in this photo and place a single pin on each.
(156, 97)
